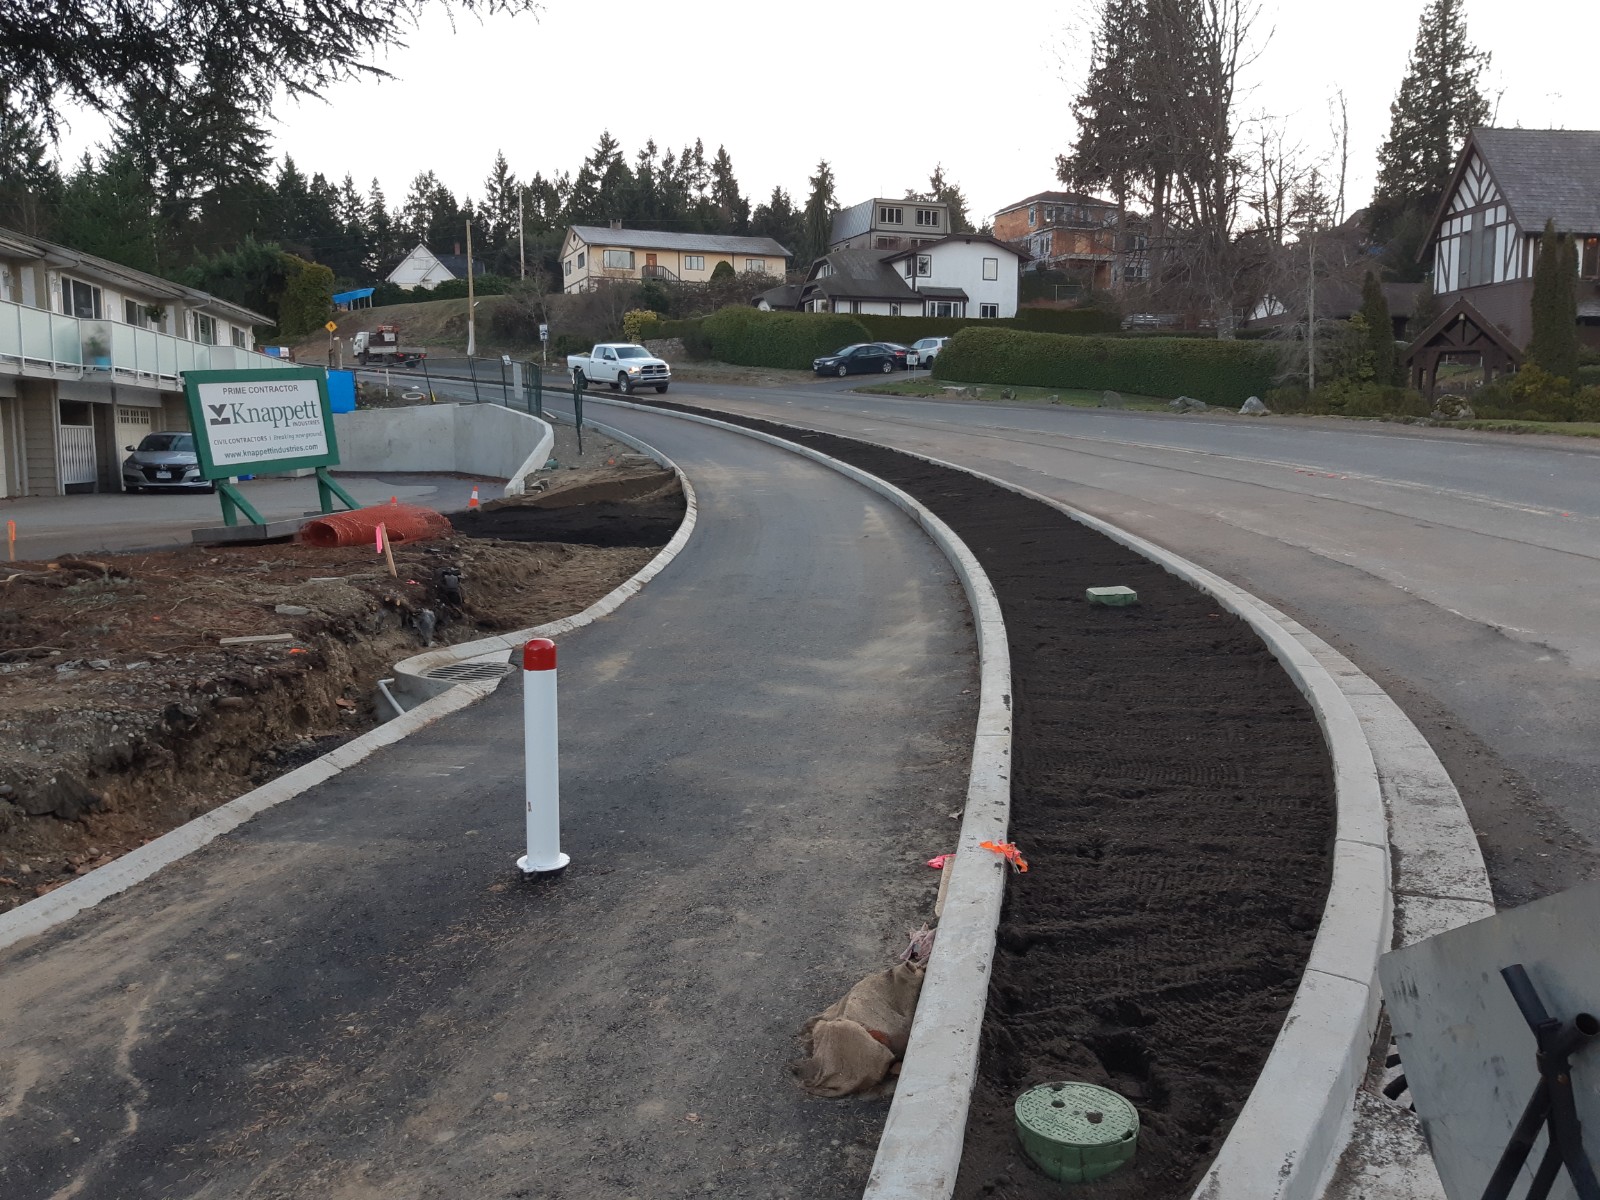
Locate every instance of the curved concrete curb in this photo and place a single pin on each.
(411, 674)
(518, 483)
(919, 1152)
(1288, 1138)
(46, 912)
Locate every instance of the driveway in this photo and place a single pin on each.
(354, 996)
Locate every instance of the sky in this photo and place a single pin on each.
(782, 87)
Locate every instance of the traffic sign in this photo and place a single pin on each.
(330, 327)
(544, 333)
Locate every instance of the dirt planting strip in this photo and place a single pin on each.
(1174, 798)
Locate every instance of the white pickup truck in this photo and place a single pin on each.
(620, 365)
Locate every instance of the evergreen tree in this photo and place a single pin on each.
(1380, 332)
(817, 218)
(779, 220)
(355, 245)
(383, 239)
(501, 193)
(1554, 345)
(1439, 103)
(109, 209)
(30, 183)
(942, 191)
(733, 210)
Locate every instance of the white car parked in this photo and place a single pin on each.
(928, 349)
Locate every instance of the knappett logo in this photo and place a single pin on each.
(219, 415)
(276, 415)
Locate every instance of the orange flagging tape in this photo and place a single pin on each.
(1009, 852)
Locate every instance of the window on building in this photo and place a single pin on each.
(758, 265)
(989, 312)
(855, 306)
(924, 264)
(239, 339)
(79, 299)
(566, 267)
(132, 312)
(945, 308)
(581, 257)
(890, 216)
(928, 217)
(1033, 215)
(991, 268)
(1475, 249)
(694, 262)
(205, 329)
(894, 310)
(1589, 263)
(618, 260)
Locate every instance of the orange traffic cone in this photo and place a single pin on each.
(394, 501)
(473, 503)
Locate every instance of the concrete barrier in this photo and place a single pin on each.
(470, 439)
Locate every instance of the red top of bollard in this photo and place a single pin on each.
(539, 655)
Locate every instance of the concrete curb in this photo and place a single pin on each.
(919, 1151)
(518, 483)
(1289, 1136)
(53, 908)
(411, 674)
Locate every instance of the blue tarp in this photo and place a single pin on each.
(351, 297)
(342, 391)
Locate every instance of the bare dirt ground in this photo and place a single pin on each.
(122, 714)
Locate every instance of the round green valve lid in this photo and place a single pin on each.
(1076, 1132)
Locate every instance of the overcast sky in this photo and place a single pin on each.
(782, 86)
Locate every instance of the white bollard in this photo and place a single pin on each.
(543, 774)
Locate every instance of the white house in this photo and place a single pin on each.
(91, 360)
(592, 254)
(423, 269)
(959, 275)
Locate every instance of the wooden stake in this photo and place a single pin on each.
(388, 554)
(11, 539)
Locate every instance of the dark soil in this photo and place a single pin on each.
(638, 510)
(1174, 799)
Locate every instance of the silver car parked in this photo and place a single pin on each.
(164, 462)
(928, 349)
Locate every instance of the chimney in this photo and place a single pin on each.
(458, 248)
(616, 224)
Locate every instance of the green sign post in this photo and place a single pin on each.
(579, 382)
(262, 423)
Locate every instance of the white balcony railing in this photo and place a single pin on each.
(34, 341)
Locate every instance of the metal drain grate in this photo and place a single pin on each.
(469, 671)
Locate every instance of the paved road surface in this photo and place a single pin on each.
(1462, 570)
(48, 526)
(352, 996)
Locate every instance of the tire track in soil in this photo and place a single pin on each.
(1174, 798)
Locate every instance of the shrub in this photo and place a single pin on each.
(516, 319)
(306, 302)
(752, 338)
(1041, 320)
(1348, 398)
(1218, 372)
(640, 323)
(456, 289)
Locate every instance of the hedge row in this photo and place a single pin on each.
(751, 338)
(1040, 320)
(1218, 372)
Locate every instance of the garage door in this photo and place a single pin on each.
(132, 425)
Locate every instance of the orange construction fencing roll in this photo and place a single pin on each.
(401, 522)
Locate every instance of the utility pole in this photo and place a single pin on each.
(472, 339)
(1311, 309)
(522, 249)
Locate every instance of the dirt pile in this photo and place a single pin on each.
(127, 707)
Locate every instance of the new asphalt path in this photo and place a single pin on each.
(1461, 570)
(354, 996)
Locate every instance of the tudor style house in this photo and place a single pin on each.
(959, 275)
(593, 255)
(92, 356)
(1485, 236)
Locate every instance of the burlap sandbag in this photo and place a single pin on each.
(853, 1045)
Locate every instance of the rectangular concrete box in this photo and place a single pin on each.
(222, 535)
(1115, 597)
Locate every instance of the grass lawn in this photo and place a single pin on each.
(1073, 397)
(1568, 428)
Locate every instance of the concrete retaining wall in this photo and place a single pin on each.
(472, 439)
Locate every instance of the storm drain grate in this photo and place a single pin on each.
(470, 671)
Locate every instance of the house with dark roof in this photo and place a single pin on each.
(1078, 234)
(425, 269)
(1485, 235)
(886, 224)
(593, 254)
(959, 275)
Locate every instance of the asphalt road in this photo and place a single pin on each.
(1462, 570)
(353, 996)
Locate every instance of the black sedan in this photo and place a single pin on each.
(862, 359)
(902, 354)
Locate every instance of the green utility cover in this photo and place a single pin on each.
(1076, 1132)
(1114, 596)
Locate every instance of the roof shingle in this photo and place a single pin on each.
(694, 243)
(1546, 175)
